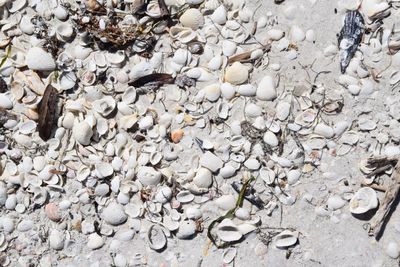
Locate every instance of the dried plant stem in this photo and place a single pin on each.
(392, 192)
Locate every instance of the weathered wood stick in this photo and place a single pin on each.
(375, 186)
(392, 192)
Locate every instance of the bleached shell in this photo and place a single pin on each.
(67, 80)
(104, 106)
(164, 194)
(324, 130)
(186, 229)
(219, 15)
(229, 255)
(330, 50)
(227, 231)
(237, 73)
(310, 36)
(184, 196)
(56, 240)
(38, 59)
(192, 18)
(267, 175)
(148, 176)
(64, 31)
(253, 110)
(170, 224)
(363, 200)
(82, 133)
(228, 48)
(60, 13)
(226, 202)
(227, 171)
(266, 89)
(293, 176)
(247, 89)
(27, 127)
(153, 9)
(183, 34)
(270, 139)
(282, 110)
(182, 57)
(252, 164)
(275, 34)
(393, 250)
(203, 178)
(297, 34)
(193, 213)
(95, 241)
(223, 113)
(17, 5)
(194, 2)
(103, 169)
(5, 102)
(211, 161)
(114, 214)
(212, 92)
(215, 63)
(26, 25)
(116, 59)
(227, 91)
(286, 239)
(374, 8)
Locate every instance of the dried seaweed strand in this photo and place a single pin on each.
(229, 214)
(4, 59)
(379, 220)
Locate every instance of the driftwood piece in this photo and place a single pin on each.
(392, 193)
(47, 109)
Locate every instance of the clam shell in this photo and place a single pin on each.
(82, 133)
(227, 231)
(184, 197)
(237, 73)
(183, 34)
(64, 31)
(266, 89)
(219, 15)
(104, 106)
(148, 176)
(192, 18)
(38, 59)
(363, 200)
(156, 238)
(286, 239)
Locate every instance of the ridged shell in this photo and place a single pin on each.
(192, 18)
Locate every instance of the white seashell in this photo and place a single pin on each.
(283, 44)
(226, 202)
(266, 89)
(60, 13)
(7, 224)
(227, 171)
(374, 8)
(82, 133)
(56, 240)
(192, 18)
(282, 110)
(114, 214)
(262, 22)
(27, 127)
(335, 202)
(95, 241)
(203, 178)
(228, 48)
(297, 34)
(227, 231)
(186, 229)
(247, 90)
(267, 175)
(324, 130)
(310, 36)
(212, 92)
(223, 113)
(363, 200)
(38, 59)
(184, 197)
(293, 176)
(227, 91)
(245, 14)
(219, 15)
(104, 106)
(246, 228)
(182, 57)
(237, 73)
(393, 250)
(5, 102)
(215, 63)
(64, 31)
(156, 238)
(243, 214)
(183, 34)
(194, 2)
(26, 25)
(17, 5)
(330, 51)
(275, 34)
(148, 176)
(116, 59)
(252, 164)
(271, 139)
(286, 239)
(67, 80)
(211, 161)
(193, 213)
(163, 195)
(153, 9)
(103, 170)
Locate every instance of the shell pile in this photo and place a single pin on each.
(147, 159)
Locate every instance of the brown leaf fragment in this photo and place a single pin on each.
(47, 109)
(3, 86)
(155, 79)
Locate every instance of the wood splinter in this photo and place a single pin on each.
(388, 204)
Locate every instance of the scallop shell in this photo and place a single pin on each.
(156, 238)
(363, 200)
(38, 59)
(286, 239)
(192, 18)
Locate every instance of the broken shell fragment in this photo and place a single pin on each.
(364, 199)
(156, 238)
(286, 239)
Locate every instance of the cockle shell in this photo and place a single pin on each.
(363, 200)
(104, 106)
(237, 73)
(192, 18)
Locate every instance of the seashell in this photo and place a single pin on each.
(282, 110)
(163, 195)
(227, 171)
(104, 106)
(146, 122)
(5, 102)
(211, 161)
(275, 34)
(56, 240)
(267, 175)
(182, 57)
(7, 224)
(203, 178)
(374, 9)
(114, 214)
(393, 250)
(297, 34)
(67, 80)
(38, 59)
(330, 51)
(212, 92)
(193, 213)
(364, 199)
(148, 176)
(95, 241)
(335, 202)
(26, 25)
(286, 239)
(270, 139)
(60, 13)
(236, 74)
(194, 2)
(266, 89)
(184, 197)
(183, 34)
(170, 224)
(227, 91)
(82, 133)
(52, 212)
(64, 32)
(215, 63)
(219, 15)
(324, 130)
(310, 36)
(246, 90)
(228, 48)
(153, 9)
(116, 59)
(156, 238)
(17, 5)
(226, 202)
(186, 229)
(25, 225)
(293, 176)
(103, 170)
(192, 18)
(227, 231)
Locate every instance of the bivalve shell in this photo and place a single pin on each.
(148, 176)
(286, 239)
(156, 238)
(363, 200)
(266, 89)
(237, 73)
(38, 59)
(192, 18)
